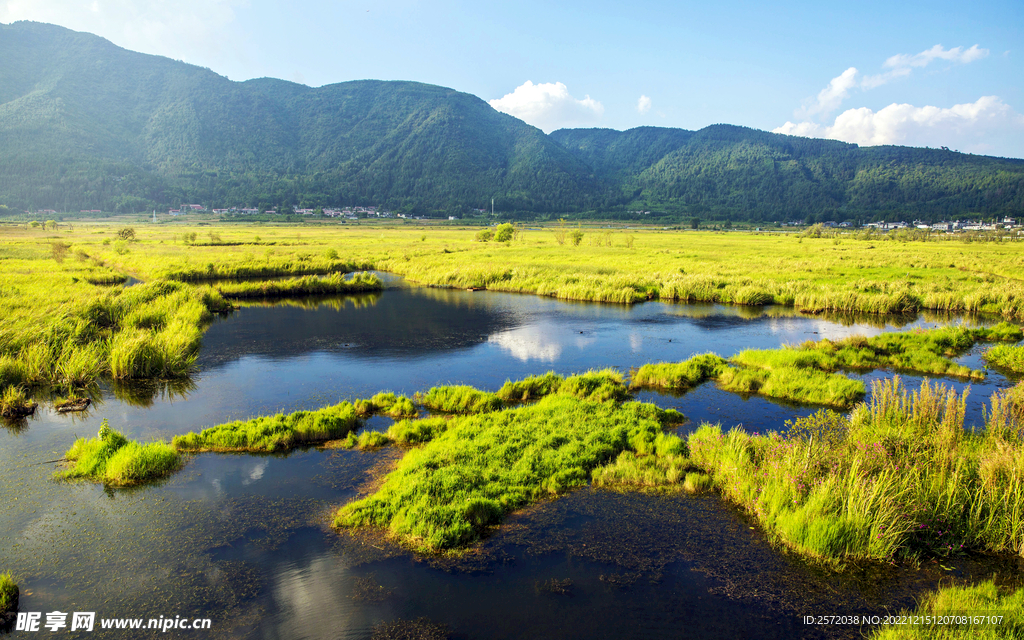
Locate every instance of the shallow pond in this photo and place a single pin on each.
(243, 539)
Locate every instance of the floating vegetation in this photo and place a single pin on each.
(72, 403)
(336, 283)
(115, 461)
(900, 478)
(280, 432)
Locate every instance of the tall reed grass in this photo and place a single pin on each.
(900, 477)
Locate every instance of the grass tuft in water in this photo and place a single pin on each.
(279, 432)
(15, 404)
(114, 460)
(461, 399)
(388, 404)
(9, 593)
(1007, 357)
(679, 376)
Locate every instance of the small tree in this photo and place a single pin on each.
(504, 232)
(50, 224)
(484, 235)
(695, 223)
(126, 233)
(576, 237)
(560, 232)
(59, 251)
(33, 225)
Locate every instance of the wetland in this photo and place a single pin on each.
(249, 539)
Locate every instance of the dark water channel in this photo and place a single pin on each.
(243, 540)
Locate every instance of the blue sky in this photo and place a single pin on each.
(923, 74)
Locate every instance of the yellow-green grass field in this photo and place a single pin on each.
(67, 322)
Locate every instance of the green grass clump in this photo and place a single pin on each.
(335, 283)
(386, 403)
(480, 467)
(598, 386)
(531, 388)
(8, 593)
(114, 460)
(644, 471)
(15, 404)
(900, 477)
(802, 385)
(679, 376)
(459, 399)
(410, 432)
(955, 604)
(273, 433)
(1007, 357)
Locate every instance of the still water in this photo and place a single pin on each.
(243, 540)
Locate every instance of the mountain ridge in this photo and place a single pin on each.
(87, 124)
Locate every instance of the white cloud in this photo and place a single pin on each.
(923, 59)
(900, 66)
(833, 95)
(965, 126)
(643, 105)
(175, 28)
(549, 106)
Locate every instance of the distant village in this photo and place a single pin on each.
(951, 227)
(351, 213)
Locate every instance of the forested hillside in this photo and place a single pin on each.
(735, 172)
(85, 124)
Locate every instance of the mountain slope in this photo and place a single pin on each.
(79, 116)
(85, 124)
(722, 170)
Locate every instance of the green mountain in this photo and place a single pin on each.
(735, 172)
(87, 125)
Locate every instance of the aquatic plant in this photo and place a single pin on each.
(1006, 356)
(960, 612)
(531, 388)
(679, 376)
(476, 469)
(15, 404)
(459, 399)
(793, 384)
(114, 460)
(8, 593)
(386, 403)
(279, 432)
